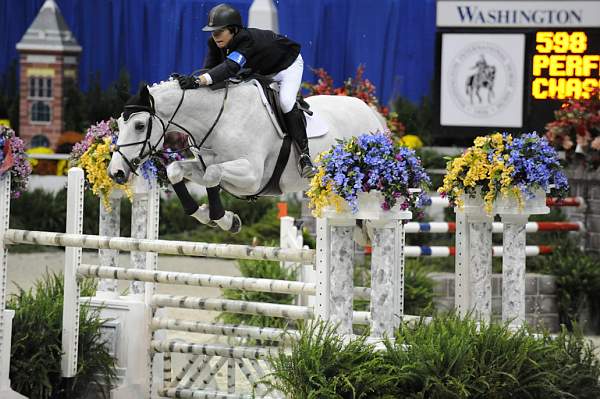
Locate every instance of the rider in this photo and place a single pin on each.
(232, 47)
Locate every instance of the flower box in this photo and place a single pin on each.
(535, 205)
(369, 207)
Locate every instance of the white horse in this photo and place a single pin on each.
(233, 136)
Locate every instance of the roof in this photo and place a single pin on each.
(49, 32)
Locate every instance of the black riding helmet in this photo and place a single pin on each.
(221, 16)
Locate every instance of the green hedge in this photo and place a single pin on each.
(448, 358)
(35, 367)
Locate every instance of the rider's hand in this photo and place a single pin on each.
(188, 82)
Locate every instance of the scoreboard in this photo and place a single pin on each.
(507, 65)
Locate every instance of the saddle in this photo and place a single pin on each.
(270, 89)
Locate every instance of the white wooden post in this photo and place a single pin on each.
(70, 329)
(156, 361)
(513, 269)
(109, 225)
(5, 315)
(462, 277)
(335, 264)
(139, 227)
(480, 265)
(387, 277)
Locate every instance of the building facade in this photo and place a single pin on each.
(48, 60)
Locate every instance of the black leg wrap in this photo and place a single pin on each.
(215, 207)
(189, 204)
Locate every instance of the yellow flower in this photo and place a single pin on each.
(411, 141)
(95, 164)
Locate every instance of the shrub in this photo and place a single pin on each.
(448, 358)
(35, 369)
(322, 365)
(577, 281)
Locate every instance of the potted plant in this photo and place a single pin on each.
(13, 160)
(93, 155)
(367, 175)
(503, 174)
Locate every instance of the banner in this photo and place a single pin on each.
(482, 80)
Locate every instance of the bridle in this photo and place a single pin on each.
(152, 148)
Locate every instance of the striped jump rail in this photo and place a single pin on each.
(415, 251)
(208, 280)
(228, 330)
(497, 227)
(293, 312)
(576, 202)
(208, 250)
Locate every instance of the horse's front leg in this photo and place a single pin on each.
(239, 173)
(191, 170)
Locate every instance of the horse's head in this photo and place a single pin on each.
(138, 138)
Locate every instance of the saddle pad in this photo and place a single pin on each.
(315, 126)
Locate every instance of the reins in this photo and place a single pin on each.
(152, 149)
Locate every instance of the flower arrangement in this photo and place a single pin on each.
(576, 129)
(500, 165)
(13, 159)
(370, 162)
(356, 87)
(93, 155)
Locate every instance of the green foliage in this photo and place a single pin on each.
(322, 365)
(36, 343)
(83, 109)
(418, 119)
(260, 269)
(455, 358)
(447, 358)
(577, 280)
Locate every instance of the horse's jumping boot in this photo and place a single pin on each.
(201, 215)
(230, 222)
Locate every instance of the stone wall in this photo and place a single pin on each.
(586, 184)
(541, 305)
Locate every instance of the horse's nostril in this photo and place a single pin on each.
(119, 177)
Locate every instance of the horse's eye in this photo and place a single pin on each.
(139, 126)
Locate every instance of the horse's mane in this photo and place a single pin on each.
(158, 88)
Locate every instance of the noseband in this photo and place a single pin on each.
(152, 149)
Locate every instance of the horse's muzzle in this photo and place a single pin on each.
(119, 177)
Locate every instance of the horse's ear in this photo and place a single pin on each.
(144, 94)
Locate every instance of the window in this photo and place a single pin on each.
(40, 87)
(40, 112)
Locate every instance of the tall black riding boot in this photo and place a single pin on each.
(297, 131)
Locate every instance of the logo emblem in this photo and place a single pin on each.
(482, 79)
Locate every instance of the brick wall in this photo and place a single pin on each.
(541, 306)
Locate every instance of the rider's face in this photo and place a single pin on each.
(222, 37)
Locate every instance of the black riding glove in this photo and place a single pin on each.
(187, 82)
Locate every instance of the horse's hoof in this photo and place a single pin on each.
(230, 222)
(236, 224)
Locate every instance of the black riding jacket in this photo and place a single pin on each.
(263, 51)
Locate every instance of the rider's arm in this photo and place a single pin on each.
(235, 60)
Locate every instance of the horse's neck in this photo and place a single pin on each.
(201, 108)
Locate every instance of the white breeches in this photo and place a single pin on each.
(289, 83)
